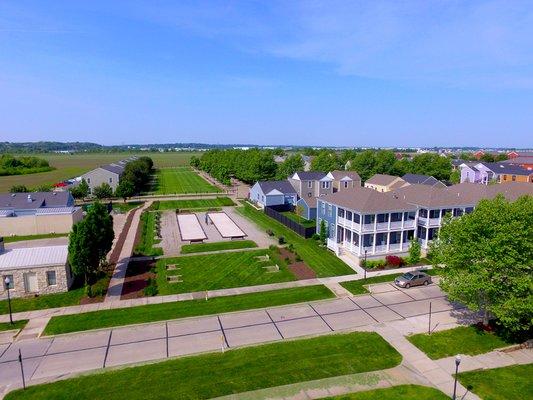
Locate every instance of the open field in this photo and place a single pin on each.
(322, 261)
(508, 383)
(217, 246)
(183, 309)
(236, 371)
(192, 204)
(70, 166)
(402, 392)
(181, 180)
(462, 340)
(220, 271)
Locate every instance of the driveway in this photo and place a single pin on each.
(48, 359)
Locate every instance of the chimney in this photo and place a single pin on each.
(2, 248)
(29, 198)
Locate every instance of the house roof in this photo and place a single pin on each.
(34, 200)
(462, 194)
(382, 179)
(33, 257)
(345, 175)
(367, 200)
(523, 153)
(283, 187)
(309, 175)
(520, 160)
(310, 201)
(456, 162)
(505, 168)
(115, 168)
(421, 179)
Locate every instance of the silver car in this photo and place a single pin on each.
(414, 278)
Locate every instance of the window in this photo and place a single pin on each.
(110, 180)
(325, 185)
(88, 180)
(329, 210)
(345, 184)
(310, 184)
(11, 283)
(513, 178)
(51, 278)
(323, 208)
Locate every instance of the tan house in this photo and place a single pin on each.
(35, 270)
(385, 183)
(37, 213)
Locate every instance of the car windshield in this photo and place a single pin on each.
(408, 276)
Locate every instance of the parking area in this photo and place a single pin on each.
(51, 357)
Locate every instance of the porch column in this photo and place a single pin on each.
(374, 243)
(427, 235)
(401, 237)
(361, 244)
(388, 239)
(375, 222)
(389, 215)
(403, 218)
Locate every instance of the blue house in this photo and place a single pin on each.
(308, 206)
(273, 193)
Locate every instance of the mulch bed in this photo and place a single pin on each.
(298, 268)
(115, 253)
(136, 279)
(302, 271)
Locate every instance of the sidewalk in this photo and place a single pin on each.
(117, 280)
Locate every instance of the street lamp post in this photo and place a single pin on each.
(365, 264)
(457, 362)
(7, 281)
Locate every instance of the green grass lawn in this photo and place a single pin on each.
(69, 298)
(11, 239)
(182, 309)
(145, 247)
(508, 383)
(217, 246)
(125, 207)
(181, 180)
(220, 271)
(402, 392)
(218, 374)
(322, 261)
(302, 221)
(462, 340)
(358, 287)
(6, 326)
(192, 204)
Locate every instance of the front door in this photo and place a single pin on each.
(30, 282)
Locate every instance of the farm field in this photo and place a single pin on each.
(181, 180)
(218, 374)
(220, 271)
(70, 166)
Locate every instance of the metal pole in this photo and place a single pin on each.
(9, 305)
(22, 370)
(429, 324)
(457, 362)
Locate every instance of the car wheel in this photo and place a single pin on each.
(426, 283)
(407, 285)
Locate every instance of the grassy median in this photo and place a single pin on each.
(236, 371)
(217, 246)
(402, 392)
(181, 309)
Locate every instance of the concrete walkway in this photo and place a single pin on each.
(419, 362)
(330, 282)
(117, 280)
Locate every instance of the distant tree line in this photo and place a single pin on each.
(255, 165)
(10, 165)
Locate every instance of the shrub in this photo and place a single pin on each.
(290, 247)
(287, 260)
(371, 264)
(269, 232)
(394, 261)
(281, 240)
(315, 236)
(273, 247)
(298, 258)
(151, 289)
(414, 252)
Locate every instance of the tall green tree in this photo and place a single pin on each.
(486, 260)
(89, 242)
(81, 191)
(326, 161)
(288, 167)
(125, 189)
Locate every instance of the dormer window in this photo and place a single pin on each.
(310, 184)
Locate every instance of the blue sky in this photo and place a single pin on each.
(368, 73)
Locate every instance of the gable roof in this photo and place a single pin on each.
(115, 168)
(309, 175)
(310, 201)
(421, 179)
(344, 175)
(382, 179)
(34, 257)
(34, 200)
(519, 160)
(505, 168)
(283, 187)
(367, 200)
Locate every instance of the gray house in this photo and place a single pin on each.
(109, 174)
(343, 180)
(273, 193)
(311, 183)
(418, 179)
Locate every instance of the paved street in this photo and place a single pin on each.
(48, 359)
